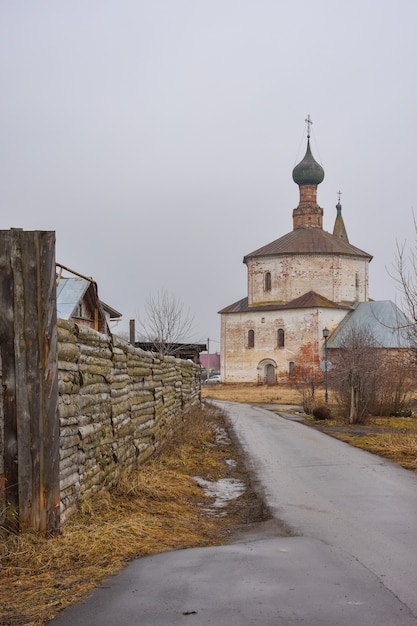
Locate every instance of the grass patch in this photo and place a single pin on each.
(234, 392)
(394, 438)
(398, 447)
(155, 508)
(396, 423)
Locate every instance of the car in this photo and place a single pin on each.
(213, 379)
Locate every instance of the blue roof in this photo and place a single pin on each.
(69, 292)
(388, 325)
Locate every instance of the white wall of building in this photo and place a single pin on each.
(336, 277)
(302, 327)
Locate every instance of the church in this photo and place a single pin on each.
(307, 281)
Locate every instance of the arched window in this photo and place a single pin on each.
(251, 338)
(291, 367)
(267, 281)
(281, 338)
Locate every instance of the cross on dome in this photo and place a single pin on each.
(309, 122)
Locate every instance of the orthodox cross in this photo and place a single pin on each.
(309, 123)
(339, 193)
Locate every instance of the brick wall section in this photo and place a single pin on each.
(116, 406)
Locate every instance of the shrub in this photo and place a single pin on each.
(321, 413)
(402, 413)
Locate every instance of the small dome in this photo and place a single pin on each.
(308, 171)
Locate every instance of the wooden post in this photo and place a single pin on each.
(29, 358)
(132, 332)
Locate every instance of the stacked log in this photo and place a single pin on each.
(69, 385)
(117, 404)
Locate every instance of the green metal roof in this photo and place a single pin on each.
(387, 324)
(308, 171)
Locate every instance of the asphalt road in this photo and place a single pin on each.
(351, 557)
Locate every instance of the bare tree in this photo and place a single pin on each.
(307, 376)
(165, 323)
(405, 275)
(398, 384)
(356, 374)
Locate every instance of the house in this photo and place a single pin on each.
(187, 351)
(304, 282)
(210, 361)
(77, 299)
(387, 324)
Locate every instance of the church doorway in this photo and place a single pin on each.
(270, 374)
(267, 372)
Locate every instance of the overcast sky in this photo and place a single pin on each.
(158, 137)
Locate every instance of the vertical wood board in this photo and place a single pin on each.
(28, 345)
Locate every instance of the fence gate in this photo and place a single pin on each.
(29, 373)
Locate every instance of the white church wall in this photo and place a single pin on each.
(338, 278)
(301, 327)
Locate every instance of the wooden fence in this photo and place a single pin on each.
(76, 406)
(28, 349)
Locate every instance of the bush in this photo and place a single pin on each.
(402, 413)
(321, 413)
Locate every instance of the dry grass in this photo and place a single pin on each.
(394, 438)
(154, 509)
(276, 394)
(399, 447)
(395, 423)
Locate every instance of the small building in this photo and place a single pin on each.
(187, 351)
(210, 362)
(77, 299)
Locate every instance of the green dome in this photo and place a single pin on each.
(308, 171)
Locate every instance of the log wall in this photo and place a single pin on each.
(116, 406)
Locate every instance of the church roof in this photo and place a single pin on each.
(310, 300)
(387, 324)
(308, 241)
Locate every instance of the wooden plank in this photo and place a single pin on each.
(11, 473)
(49, 471)
(28, 344)
(25, 393)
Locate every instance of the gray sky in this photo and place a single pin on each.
(158, 138)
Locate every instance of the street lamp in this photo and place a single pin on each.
(325, 335)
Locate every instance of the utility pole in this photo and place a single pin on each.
(208, 359)
(325, 336)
